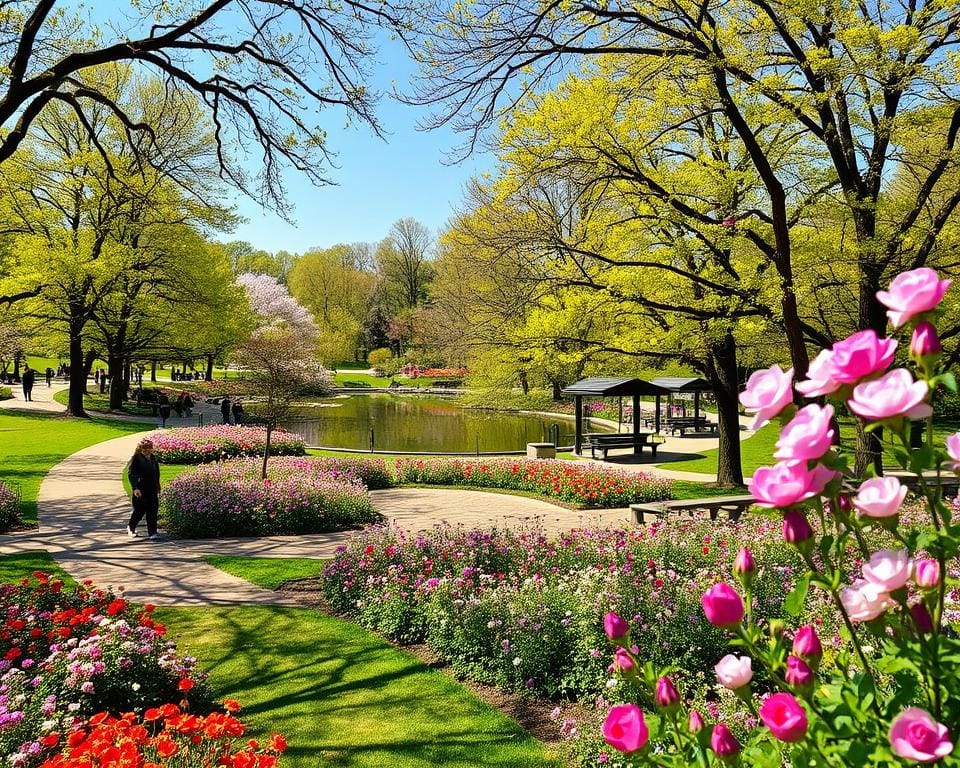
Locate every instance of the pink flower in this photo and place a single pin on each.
(615, 627)
(744, 564)
(784, 716)
(798, 672)
(912, 293)
(892, 395)
(926, 572)
(925, 341)
(917, 736)
(783, 484)
(808, 434)
(695, 722)
(806, 643)
(622, 660)
(625, 729)
(796, 529)
(665, 694)
(889, 569)
(864, 601)
(722, 605)
(820, 380)
(768, 392)
(723, 742)
(861, 355)
(922, 618)
(734, 673)
(953, 450)
(880, 496)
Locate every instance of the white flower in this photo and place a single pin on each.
(516, 661)
(136, 686)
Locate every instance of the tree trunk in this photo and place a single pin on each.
(556, 390)
(16, 365)
(722, 373)
(78, 384)
(266, 450)
(872, 315)
(209, 374)
(115, 369)
(153, 371)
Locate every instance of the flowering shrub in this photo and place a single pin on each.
(199, 445)
(300, 495)
(165, 737)
(888, 694)
(68, 654)
(580, 484)
(9, 507)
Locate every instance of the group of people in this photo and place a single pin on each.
(235, 407)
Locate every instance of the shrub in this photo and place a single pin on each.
(580, 484)
(378, 358)
(199, 445)
(300, 495)
(6, 393)
(9, 507)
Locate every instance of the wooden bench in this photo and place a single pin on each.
(604, 441)
(682, 423)
(734, 506)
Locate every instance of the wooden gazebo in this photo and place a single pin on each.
(611, 387)
(676, 385)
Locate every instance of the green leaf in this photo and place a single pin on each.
(948, 380)
(793, 605)
(902, 457)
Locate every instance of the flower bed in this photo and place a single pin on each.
(579, 484)
(9, 507)
(200, 445)
(300, 495)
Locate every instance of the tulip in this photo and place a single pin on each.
(926, 572)
(723, 742)
(625, 729)
(916, 736)
(666, 695)
(722, 605)
(615, 627)
(912, 293)
(767, 393)
(784, 716)
(796, 529)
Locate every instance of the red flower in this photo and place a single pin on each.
(185, 685)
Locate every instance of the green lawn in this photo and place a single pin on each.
(31, 444)
(266, 572)
(16, 567)
(354, 379)
(95, 401)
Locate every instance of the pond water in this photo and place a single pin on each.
(411, 423)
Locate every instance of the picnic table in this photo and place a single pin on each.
(604, 441)
(734, 506)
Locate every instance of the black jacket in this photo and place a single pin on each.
(144, 475)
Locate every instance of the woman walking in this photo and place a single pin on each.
(144, 474)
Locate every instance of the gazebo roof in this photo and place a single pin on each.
(674, 384)
(610, 387)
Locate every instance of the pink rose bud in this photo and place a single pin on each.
(744, 565)
(820, 379)
(784, 484)
(861, 355)
(796, 529)
(665, 694)
(806, 643)
(723, 742)
(893, 395)
(911, 294)
(808, 434)
(722, 605)
(768, 392)
(916, 736)
(889, 569)
(925, 341)
(730, 222)
(922, 618)
(734, 673)
(784, 716)
(953, 450)
(623, 661)
(926, 572)
(865, 601)
(615, 627)
(880, 497)
(845, 504)
(625, 729)
(798, 672)
(695, 722)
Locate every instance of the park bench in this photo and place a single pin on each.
(696, 424)
(734, 506)
(604, 441)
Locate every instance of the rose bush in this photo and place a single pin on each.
(887, 694)
(200, 445)
(580, 484)
(300, 495)
(9, 507)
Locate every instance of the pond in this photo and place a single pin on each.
(411, 423)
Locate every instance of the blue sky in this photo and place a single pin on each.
(377, 182)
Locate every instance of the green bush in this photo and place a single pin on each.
(6, 393)
(9, 507)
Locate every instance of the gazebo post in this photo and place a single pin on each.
(656, 417)
(620, 415)
(578, 430)
(696, 406)
(636, 424)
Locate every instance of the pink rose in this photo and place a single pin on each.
(723, 742)
(722, 605)
(615, 627)
(665, 695)
(625, 729)
(922, 618)
(892, 395)
(889, 569)
(808, 434)
(806, 643)
(864, 601)
(784, 716)
(768, 392)
(926, 572)
(798, 672)
(925, 341)
(783, 484)
(820, 380)
(912, 293)
(861, 355)
(734, 673)
(622, 660)
(953, 450)
(796, 529)
(917, 736)
(744, 564)
(695, 722)
(880, 496)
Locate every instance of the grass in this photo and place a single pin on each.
(343, 697)
(354, 379)
(268, 573)
(32, 443)
(95, 401)
(13, 568)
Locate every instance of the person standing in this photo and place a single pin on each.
(49, 373)
(144, 474)
(225, 409)
(27, 380)
(164, 405)
(237, 411)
